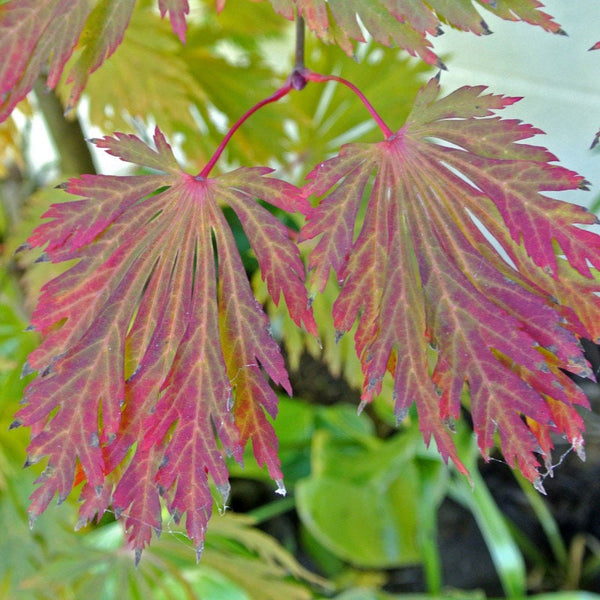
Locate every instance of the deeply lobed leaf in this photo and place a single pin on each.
(154, 345)
(37, 39)
(178, 11)
(423, 275)
(404, 23)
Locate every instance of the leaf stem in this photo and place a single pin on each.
(297, 80)
(280, 93)
(299, 63)
(311, 76)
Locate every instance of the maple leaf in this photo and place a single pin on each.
(153, 339)
(403, 23)
(38, 39)
(178, 10)
(418, 273)
(34, 37)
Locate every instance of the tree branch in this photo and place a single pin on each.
(67, 135)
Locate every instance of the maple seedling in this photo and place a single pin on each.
(157, 361)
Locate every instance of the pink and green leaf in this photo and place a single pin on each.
(35, 37)
(38, 38)
(422, 270)
(404, 23)
(178, 11)
(153, 339)
(102, 34)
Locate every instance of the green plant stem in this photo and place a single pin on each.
(273, 509)
(546, 520)
(503, 549)
(67, 135)
(299, 62)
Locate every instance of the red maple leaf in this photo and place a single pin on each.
(427, 283)
(154, 340)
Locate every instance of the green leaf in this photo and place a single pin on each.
(362, 502)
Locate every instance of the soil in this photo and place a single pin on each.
(573, 498)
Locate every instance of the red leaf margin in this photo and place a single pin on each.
(153, 343)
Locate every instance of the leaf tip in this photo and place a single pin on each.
(27, 370)
(16, 423)
(450, 424)
(280, 487)
(579, 448)
(224, 491)
(22, 247)
(401, 415)
(539, 486)
(199, 551)
(42, 258)
(584, 184)
(138, 556)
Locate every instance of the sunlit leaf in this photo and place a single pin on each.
(419, 272)
(153, 338)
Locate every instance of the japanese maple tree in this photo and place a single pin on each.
(469, 284)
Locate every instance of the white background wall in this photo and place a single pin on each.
(557, 76)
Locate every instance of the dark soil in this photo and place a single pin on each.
(573, 497)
